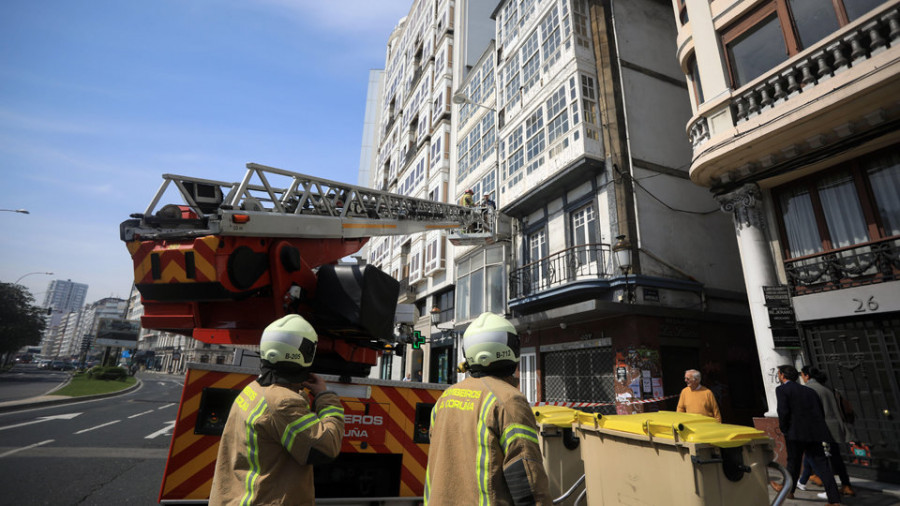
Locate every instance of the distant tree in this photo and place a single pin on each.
(21, 322)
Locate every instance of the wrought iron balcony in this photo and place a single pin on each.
(862, 264)
(578, 263)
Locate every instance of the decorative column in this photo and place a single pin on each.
(759, 271)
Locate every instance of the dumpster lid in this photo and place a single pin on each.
(559, 416)
(684, 427)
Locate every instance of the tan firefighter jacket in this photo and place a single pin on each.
(484, 447)
(270, 441)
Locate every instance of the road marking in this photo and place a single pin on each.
(97, 427)
(162, 431)
(67, 416)
(139, 414)
(25, 448)
(165, 406)
(91, 452)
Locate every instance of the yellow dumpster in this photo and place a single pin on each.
(562, 457)
(672, 458)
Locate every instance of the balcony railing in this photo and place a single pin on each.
(578, 263)
(854, 266)
(827, 58)
(832, 57)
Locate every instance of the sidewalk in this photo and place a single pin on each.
(868, 493)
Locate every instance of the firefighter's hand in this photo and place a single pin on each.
(315, 384)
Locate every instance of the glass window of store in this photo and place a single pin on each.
(779, 29)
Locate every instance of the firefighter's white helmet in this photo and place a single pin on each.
(289, 339)
(491, 343)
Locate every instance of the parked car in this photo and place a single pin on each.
(43, 363)
(61, 365)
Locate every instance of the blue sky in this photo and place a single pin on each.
(99, 98)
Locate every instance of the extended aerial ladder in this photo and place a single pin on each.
(237, 255)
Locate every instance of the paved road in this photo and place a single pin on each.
(105, 451)
(26, 380)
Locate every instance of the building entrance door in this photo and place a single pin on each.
(862, 360)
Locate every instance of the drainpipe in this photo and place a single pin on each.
(614, 122)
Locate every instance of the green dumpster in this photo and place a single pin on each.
(559, 446)
(672, 458)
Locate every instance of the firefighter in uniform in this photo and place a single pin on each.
(467, 199)
(484, 438)
(272, 438)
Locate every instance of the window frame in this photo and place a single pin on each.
(875, 229)
(786, 21)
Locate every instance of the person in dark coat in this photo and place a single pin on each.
(801, 419)
(840, 432)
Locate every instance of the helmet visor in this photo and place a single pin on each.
(308, 350)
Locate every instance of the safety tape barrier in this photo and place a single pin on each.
(596, 404)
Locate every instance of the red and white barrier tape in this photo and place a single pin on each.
(596, 404)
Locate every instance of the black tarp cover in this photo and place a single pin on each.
(356, 299)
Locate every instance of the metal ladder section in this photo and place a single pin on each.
(302, 206)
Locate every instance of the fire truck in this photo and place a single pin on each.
(231, 257)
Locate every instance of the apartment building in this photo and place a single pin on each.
(613, 277)
(794, 127)
(569, 115)
(413, 158)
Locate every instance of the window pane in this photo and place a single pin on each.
(757, 50)
(885, 179)
(800, 223)
(476, 289)
(815, 19)
(462, 298)
(494, 255)
(496, 302)
(695, 78)
(843, 214)
(856, 8)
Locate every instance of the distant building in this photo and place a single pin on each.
(62, 297)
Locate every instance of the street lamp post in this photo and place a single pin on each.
(622, 250)
(30, 273)
(20, 211)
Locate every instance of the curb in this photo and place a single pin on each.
(44, 401)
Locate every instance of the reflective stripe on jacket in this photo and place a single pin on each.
(270, 441)
(484, 447)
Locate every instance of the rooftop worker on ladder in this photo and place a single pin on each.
(272, 438)
(484, 439)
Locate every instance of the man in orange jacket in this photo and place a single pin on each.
(696, 398)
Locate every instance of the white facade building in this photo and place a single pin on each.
(584, 109)
(794, 128)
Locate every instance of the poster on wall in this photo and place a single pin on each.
(638, 378)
